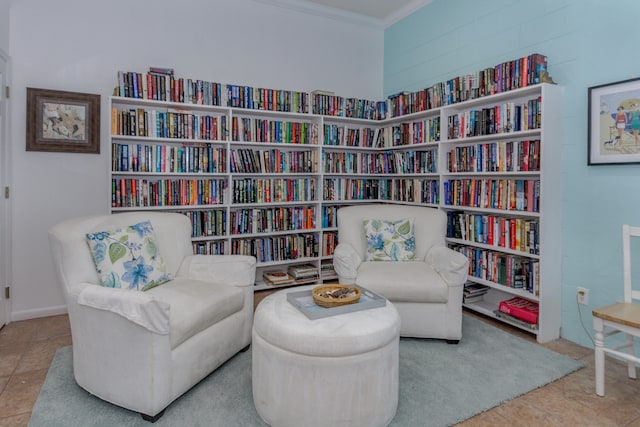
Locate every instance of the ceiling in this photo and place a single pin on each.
(381, 13)
(379, 9)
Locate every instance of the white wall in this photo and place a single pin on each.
(79, 45)
(4, 26)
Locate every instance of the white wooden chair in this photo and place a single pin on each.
(619, 318)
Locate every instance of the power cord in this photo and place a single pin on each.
(582, 322)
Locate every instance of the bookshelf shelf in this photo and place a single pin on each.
(332, 161)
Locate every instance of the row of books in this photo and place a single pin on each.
(501, 156)
(503, 77)
(328, 104)
(277, 248)
(386, 162)
(504, 269)
(159, 84)
(167, 158)
(410, 133)
(329, 243)
(263, 190)
(167, 124)
(275, 131)
(206, 223)
(266, 220)
(505, 194)
(330, 216)
(417, 132)
(519, 234)
(126, 192)
(242, 96)
(248, 160)
(502, 118)
(345, 136)
(399, 189)
(209, 248)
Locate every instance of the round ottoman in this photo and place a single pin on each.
(336, 371)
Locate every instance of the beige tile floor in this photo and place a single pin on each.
(27, 348)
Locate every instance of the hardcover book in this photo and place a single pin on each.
(520, 308)
(277, 278)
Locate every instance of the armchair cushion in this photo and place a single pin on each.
(196, 305)
(138, 307)
(389, 240)
(412, 281)
(128, 257)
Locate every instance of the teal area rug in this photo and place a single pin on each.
(439, 382)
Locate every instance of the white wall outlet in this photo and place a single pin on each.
(583, 296)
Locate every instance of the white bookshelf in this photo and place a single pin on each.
(397, 186)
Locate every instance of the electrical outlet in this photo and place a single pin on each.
(583, 296)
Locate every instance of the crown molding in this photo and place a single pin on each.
(311, 8)
(404, 12)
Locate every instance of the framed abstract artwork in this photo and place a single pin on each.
(62, 121)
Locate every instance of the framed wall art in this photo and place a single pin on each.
(62, 121)
(614, 123)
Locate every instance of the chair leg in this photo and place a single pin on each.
(598, 326)
(631, 366)
(154, 418)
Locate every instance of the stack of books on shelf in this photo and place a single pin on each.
(327, 271)
(473, 292)
(304, 273)
(277, 278)
(520, 311)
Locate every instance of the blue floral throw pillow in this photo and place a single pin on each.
(128, 257)
(389, 240)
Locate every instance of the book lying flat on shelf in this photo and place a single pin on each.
(515, 320)
(520, 308)
(303, 301)
(474, 292)
(303, 271)
(470, 299)
(277, 278)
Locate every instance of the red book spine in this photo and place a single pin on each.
(520, 308)
(530, 195)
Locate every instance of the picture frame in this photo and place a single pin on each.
(60, 121)
(614, 123)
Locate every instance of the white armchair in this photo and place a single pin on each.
(142, 350)
(427, 291)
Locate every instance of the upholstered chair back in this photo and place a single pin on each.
(72, 256)
(429, 225)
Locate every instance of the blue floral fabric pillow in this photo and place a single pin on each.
(389, 240)
(128, 257)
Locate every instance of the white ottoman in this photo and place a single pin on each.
(337, 371)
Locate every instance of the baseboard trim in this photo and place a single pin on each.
(39, 312)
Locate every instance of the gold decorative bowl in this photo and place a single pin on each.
(322, 295)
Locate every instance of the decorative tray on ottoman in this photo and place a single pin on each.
(329, 296)
(305, 302)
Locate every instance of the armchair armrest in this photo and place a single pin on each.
(235, 270)
(346, 261)
(452, 266)
(137, 307)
